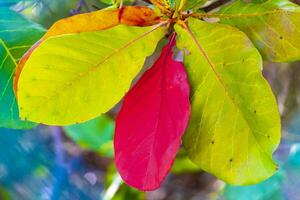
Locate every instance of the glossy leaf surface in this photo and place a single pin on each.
(235, 125)
(17, 32)
(151, 123)
(16, 36)
(273, 26)
(103, 19)
(76, 77)
(94, 21)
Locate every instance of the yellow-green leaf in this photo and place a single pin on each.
(194, 4)
(273, 26)
(91, 22)
(234, 126)
(76, 77)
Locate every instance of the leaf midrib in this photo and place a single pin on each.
(161, 100)
(8, 81)
(223, 84)
(14, 61)
(91, 69)
(238, 15)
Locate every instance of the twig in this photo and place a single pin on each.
(121, 4)
(113, 188)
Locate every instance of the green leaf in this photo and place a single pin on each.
(18, 33)
(273, 26)
(76, 77)
(117, 2)
(16, 36)
(183, 164)
(172, 3)
(274, 188)
(235, 125)
(194, 4)
(94, 135)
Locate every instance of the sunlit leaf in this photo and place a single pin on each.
(76, 77)
(235, 125)
(94, 21)
(151, 123)
(16, 36)
(273, 26)
(282, 185)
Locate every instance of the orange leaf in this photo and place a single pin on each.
(138, 16)
(87, 22)
(103, 19)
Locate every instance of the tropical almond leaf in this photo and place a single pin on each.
(9, 114)
(17, 32)
(76, 77)
(235, 124)
(16, 35)
(103, 19)
(94, 21)
(273, 26)
(151, 122)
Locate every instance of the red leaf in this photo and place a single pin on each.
(151, 122)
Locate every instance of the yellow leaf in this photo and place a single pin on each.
(76, 77)
(94, 21)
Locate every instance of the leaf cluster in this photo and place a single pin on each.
(215, 99)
